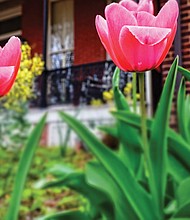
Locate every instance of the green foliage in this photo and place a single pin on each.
(37, 202)
(123, 184)
(31, 66)
(14, 126)
(136, 187)
(183, 107)
(24, 165)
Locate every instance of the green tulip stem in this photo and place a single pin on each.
(134, 87)
(143, 114)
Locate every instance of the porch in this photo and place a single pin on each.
(73, 89)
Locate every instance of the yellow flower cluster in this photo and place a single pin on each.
(128, 89)
(22, 91)
(108, 95)
(96, 102)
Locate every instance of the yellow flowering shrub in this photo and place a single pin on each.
(96, 102)
(22, 91)
(14, 125)
(128, 89)
(108, 95)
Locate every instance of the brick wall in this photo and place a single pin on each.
(170, 56)
(185, 38)
(32, 24)
(185, 32)
(87, 44)
(184, 8)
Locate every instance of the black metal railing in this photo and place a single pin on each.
(80, 84)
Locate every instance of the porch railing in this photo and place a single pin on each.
(80, 84)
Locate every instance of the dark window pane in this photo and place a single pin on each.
(10, 25)
(4, 41)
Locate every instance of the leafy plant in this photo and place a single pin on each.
(31, 66)
(14, 106)
(14, 126)
(35, 201)
(131, 183)
(23, 168)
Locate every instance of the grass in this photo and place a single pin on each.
(37, 202)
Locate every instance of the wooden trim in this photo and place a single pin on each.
(177, 49)
(11, 13)
(13, 33)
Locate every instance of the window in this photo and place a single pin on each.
(111, 1)
(10, 23)
(61, 39)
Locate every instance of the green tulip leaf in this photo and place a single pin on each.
(183, 192)
(99, 178)
(132, 190)
(178, 148)
(176, 169)
(182, 113)
(77, 181)
(179, 163)
(179, 219)
(186, 117)
(23, 168)
(111, 130)
(184, 72)
(67, 215)
(60, 170)
(119, 98)
(158, 141)
(130, 138)
(183, 211)
(99, 201)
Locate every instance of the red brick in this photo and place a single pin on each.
(88, 47)
(32, 24)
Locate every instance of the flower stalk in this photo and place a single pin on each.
(134, 86)
(143, 115)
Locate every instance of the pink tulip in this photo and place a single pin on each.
(143, 5)
(10, 56)
(135, 39)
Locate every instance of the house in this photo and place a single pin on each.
(64, 32)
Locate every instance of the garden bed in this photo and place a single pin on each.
(37, 202)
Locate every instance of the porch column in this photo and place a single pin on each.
(177, 49)
(43, 77)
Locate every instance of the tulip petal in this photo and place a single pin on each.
(102, 30)
(129, 5)
(168, 14)
(141, 55)
(149, 35)
(146, 5)
(131, 32)
(145, 19)
(6, 79)
(9, 64)
(10, 53)
(117, 16)
(168, 45)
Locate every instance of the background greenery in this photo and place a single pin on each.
(36, 201)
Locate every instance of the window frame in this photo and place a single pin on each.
(49, 52)
(8, 14)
